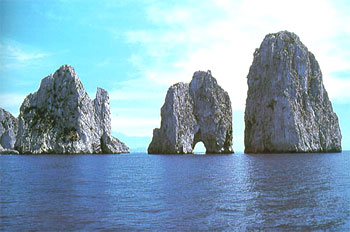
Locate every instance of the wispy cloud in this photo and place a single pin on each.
(136, 125)
(11, 102)
(169, 42)
(222, 35)
(135, 105)
(104, 63)
(15, 55)
(133, 89)
(11, 99)
(338, 89)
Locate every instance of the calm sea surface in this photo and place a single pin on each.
(175, 192)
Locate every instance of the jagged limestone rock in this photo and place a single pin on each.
(8, 151)
(8, 132)
(287, 107)
(111, 145)
(199, 111)
(178, 125)
(61, 118)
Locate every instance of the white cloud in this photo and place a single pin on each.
(141, 100)
(11, 102)
(19, 55)
(15, 55)
(11, 99)
(105, 63)
(136, 125)
(222, 36)
(225, 42)
(338, 89)
(178, 14)
(134, 89)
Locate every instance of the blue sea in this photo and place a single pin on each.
(130, 192)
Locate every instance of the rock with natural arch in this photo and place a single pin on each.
(199, 111)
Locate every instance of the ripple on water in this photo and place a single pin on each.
(144, 192)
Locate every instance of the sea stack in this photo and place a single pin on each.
(8, 132)
(199, 111)
(61, 118)
(287, 107)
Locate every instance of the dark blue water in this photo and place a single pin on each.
(161, 192)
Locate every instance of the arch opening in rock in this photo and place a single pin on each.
(199, 148)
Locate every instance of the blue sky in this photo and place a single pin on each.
(137, 49)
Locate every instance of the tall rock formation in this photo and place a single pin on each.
(8, 132)
(287, 107)
(61, 118)
(199, 111)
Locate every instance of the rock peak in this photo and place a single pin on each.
(202, 73)
(287, 107)
(66, 72)
(61, 118)
(66, 67)
(283, 34)
(199, 111)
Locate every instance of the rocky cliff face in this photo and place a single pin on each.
(61, 118)
(8, 132)
(287, 107)
(199, 111)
